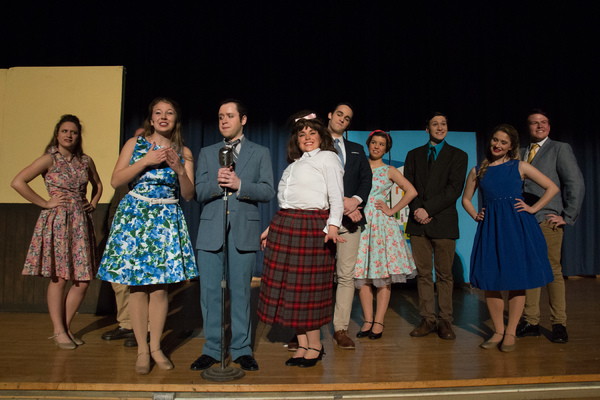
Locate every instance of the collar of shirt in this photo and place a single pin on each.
(239, 145)
(437, 147)
(310, 153)
(540, 143)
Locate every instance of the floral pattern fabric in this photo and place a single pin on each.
(383, 256)
(149, 243)
(63, 243)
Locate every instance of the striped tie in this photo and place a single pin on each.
(233, 146)
(532, 152)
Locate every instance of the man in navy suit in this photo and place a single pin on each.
(557, 161)
(437, 170)
(249, 182)
(357, 185)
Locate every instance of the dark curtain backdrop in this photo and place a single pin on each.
(482, 63)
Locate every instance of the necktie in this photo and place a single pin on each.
(533, 152)
(431, 158)
(233, 146)
(336, 144)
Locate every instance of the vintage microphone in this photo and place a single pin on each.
(224, 373)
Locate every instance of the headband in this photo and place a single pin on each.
(380, 131)
(309, 116)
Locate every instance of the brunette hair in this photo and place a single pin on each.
(432, 116)
(513, 153)
(293, 149)
(537, 111)
(177, 136)
(78, 150)
(383, 134)
(241, 108)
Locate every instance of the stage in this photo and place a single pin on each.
(396, 366)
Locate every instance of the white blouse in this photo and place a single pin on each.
(314, 182)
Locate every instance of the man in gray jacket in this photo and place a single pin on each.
(557, 161)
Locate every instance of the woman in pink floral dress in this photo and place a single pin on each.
(383, 256)
(63, 247)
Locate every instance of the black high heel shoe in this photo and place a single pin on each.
(374, 336)
(311, 362)
(362, 334)
(294, 361)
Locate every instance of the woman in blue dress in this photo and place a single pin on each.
(149, 244)
(509, 251)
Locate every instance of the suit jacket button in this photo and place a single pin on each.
(230, 193)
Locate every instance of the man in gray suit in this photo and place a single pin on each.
(557, 162)
(249, 182)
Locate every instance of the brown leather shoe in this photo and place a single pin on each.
(424, 328)
(342, 339)
(445, 330)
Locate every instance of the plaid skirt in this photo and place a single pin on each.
(297, 280)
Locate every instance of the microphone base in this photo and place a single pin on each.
(220, 374)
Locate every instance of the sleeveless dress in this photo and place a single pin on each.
(149, 243)
(509, 251)
(383, 256)
(63, 243)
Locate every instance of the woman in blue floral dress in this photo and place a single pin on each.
(149, 245)
(63, 247)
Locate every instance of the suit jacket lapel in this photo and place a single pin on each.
(245, 154)
(422, 168)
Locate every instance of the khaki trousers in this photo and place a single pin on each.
(346, 260)
(556, 289)
(429, 253)
(122, 298)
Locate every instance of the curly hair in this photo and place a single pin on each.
(293, 148)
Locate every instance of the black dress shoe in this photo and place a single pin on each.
(203, 362)
(559, 334)
(311, 362)
(375, 336)
(118, 333)
(362, 334)
(247, 363)
(526, 329)
(294, 361)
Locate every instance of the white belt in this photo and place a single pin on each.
(150, 200)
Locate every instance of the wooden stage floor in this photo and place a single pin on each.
(396, 366)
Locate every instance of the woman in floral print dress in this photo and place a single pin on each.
(63, 247)
(149, 244)
(383, 256)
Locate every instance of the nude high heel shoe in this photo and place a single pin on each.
(165, 364)
(66, 346)
(508, 347)
(142, 364)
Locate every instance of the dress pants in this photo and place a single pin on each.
(556, 289)
(239, 277)
(346, 260)
(429, 252)
(122, 298)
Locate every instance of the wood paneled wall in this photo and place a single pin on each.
(28, 293)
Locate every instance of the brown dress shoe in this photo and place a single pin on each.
(424, 328)
(445, 330)
(342, 339)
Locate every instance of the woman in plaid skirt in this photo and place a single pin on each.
(296, 287)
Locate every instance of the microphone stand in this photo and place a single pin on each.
(223, 373)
